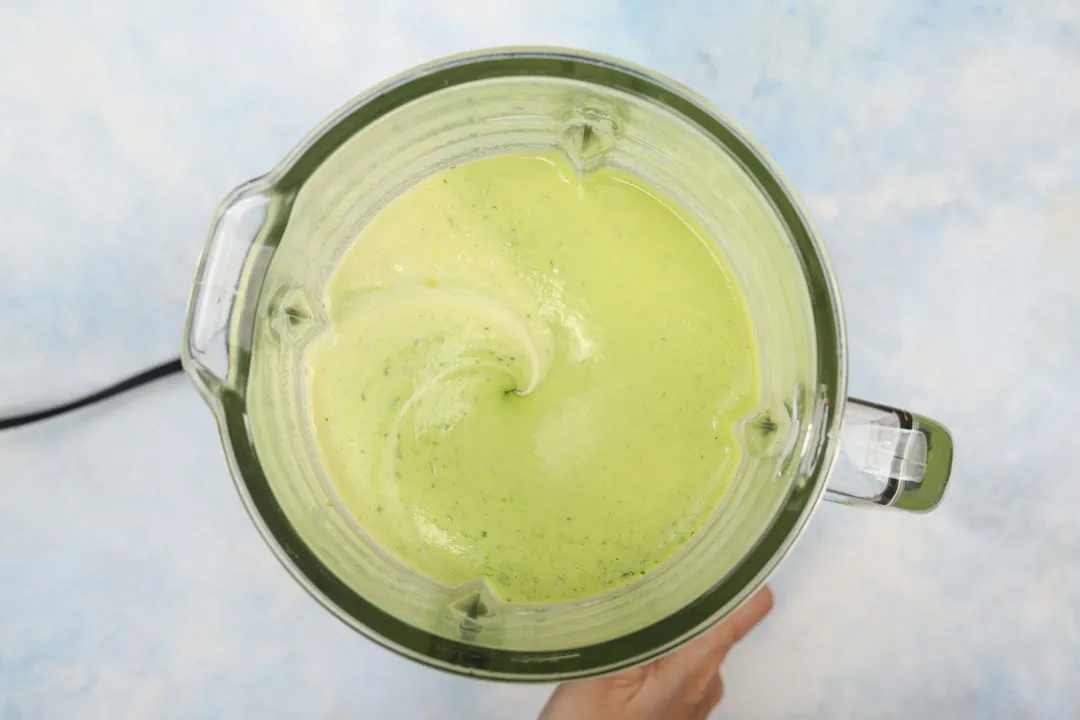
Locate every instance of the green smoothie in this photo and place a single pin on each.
(532, 378)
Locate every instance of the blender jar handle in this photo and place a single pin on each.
(210, 339)
(890, 457)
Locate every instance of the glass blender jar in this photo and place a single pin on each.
(256, 305)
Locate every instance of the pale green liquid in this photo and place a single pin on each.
(531, 378)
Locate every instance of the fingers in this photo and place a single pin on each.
(714, 693)
(632, 679)
(710, 699)
(709, 650)
(734, 628)
(688, 679)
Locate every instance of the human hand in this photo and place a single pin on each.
(684, 685)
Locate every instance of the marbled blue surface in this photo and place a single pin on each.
(938, 145)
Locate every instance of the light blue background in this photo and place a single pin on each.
(938, 145)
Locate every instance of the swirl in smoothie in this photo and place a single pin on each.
(531, 377)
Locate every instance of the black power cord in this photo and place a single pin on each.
(164, 370)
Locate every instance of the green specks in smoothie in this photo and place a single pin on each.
(544, 355)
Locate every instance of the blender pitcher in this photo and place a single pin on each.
(257, 303)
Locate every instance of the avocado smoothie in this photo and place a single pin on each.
(531, 377)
